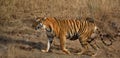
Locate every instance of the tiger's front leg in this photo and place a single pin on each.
(50, 40)
(62, 44)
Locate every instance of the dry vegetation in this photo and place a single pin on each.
(19, 40)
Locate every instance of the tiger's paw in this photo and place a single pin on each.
(44, 51)
(79, 53)
(90, 53)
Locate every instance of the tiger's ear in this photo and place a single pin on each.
(35, 17)
(44, 18)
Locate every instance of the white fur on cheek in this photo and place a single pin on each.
(45, 17)
(44, 26)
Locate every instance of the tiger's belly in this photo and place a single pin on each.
(72, 36)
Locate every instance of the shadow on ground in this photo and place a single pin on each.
(34, 45)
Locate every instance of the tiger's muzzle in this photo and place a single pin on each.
(39, 26)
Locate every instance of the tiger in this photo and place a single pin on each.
(65, 29)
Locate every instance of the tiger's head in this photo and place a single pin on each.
(39, 23)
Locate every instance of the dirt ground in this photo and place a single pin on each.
(19, 40)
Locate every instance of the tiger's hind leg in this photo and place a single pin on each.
(85, 47)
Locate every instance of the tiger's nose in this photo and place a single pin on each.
(37, 28)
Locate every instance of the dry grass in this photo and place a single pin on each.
(16, 18)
